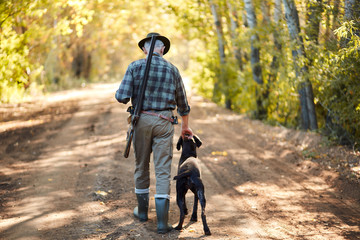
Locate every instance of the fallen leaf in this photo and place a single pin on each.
(102, 193)
(219, 153)
(356, 169)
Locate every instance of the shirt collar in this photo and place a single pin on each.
(154, 54)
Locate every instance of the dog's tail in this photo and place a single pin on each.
(187, 173)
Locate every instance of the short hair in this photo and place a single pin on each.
(158, 44)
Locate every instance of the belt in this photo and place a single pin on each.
(173, 119)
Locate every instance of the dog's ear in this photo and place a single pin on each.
(179, 143)
(197, 141)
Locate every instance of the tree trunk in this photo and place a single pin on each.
(265, 8)
(234, 27)
(255, 60)
(331, 23)
(275, 63)
(221, 45)
(349, 9)
(81, 64)
(308, 114)
(336, 11)
(313, 18)
(348, 15)
(219, 31)
(352, 12)
(277, 17)
(255, 51)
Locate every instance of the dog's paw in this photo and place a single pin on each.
(178, 227)
(207, 230)
(193, 218)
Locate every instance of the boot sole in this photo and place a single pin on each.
(162, 231)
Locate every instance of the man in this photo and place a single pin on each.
(154, 131)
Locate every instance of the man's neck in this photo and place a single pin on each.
(156, 53)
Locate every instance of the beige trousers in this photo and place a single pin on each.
(153, 135)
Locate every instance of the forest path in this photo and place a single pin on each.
(63, 176)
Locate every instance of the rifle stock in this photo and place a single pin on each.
(140, 99)
(128, 143)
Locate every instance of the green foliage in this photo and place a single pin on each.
(61, 43)
(339, 86)
(333, 71)
(282, 103)
(29, 32)
(16, 71)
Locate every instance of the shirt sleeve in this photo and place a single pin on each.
(183, 107)
(124, 93)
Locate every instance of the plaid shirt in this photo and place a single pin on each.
(164, 90)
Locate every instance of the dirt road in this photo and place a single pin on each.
(63, 176)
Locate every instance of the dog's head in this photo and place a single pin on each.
(189, 145)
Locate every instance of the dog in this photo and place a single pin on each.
(188, 177)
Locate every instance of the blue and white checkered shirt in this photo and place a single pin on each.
(164, 90)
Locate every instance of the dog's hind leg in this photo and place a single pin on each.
(180, 200)
(203, 215)
(186, 212)
(195, 208)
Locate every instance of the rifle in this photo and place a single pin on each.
(140, 100)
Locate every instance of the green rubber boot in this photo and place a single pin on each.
(162, 213)
(141, 211)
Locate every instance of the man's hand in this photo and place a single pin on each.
(185, 130)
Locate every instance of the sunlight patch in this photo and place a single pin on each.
(54, 220)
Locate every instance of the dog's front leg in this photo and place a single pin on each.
(180, 200)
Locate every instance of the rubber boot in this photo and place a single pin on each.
(162, 213)
(141, 211)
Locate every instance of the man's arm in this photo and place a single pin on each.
(120, 99)
(183, 107)
(124, 93)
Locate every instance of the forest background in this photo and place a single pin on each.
(287, 62)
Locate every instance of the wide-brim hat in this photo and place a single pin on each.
(165, 40)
